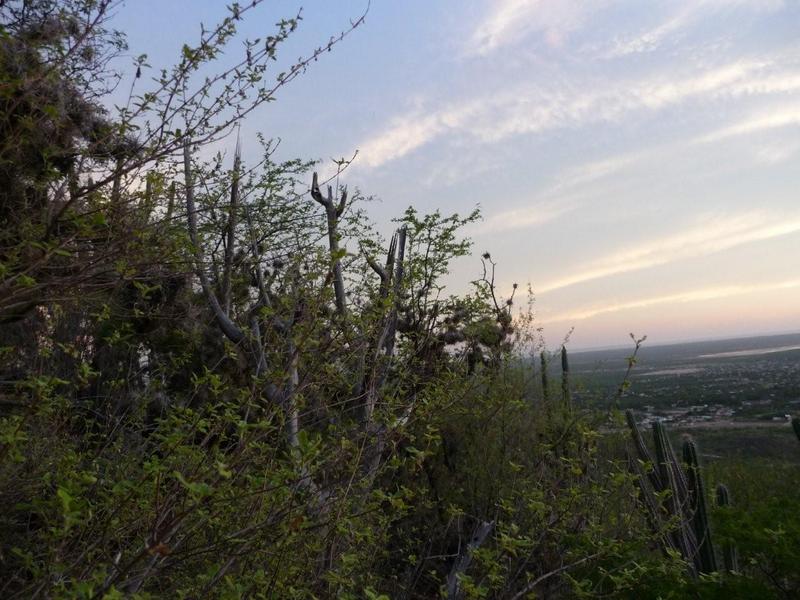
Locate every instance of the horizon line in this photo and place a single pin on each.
(677, 342)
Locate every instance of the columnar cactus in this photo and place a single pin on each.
(697, 506)
(730, 558)
(545, 382)
(565, 377)
(675, 500)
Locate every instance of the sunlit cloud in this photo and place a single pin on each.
(405, 135)
(533, 109)
(685, 15)
(510, 21)
(560, 198)
(409, 132)
(526, 217)
(651, 39)
(712, 235)
(774, 119)
(713, 81)
(598, 169)
(714, 293)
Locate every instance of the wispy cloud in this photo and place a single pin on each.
(685, 15)
(409, 132)
(531, 109)
(649, 40)
(534, 214)
(772, 154)
(598, 169)
(562, 197)
(403, 136)
(728, 78)
(710, 236)
(510, 21)
(701, 295)
(774, 119)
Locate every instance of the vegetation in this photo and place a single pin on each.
(219, 382)
(669, 492)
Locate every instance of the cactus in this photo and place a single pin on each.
(697, 505)
(545, 383)
(730, 558)
(675, 499)
(565, 377)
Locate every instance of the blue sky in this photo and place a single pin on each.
(636, 162)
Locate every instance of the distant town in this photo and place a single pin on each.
(723, 383)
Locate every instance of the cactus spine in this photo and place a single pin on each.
(730, 558)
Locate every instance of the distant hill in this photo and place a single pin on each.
(683, 353)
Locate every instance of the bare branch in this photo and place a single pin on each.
(231, 238)
(229, 328)
(332, 214)
(464, 559)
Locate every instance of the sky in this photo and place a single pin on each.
(635, 162)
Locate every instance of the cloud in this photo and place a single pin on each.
(511, 21)
(774, 119)
(701, 295)
(652, 38)
(535, 108)
(729, 78)
(685, 16)
(529, 216)
(409, 132)
(405, 135)
(775, 153)
(559, 198)
(710, 236)
(598, 169)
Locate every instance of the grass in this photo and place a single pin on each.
(721, 445)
